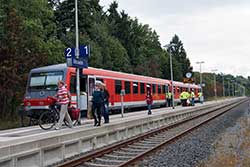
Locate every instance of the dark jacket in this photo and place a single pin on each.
(149, 99)
(98, 97)
(106, 96)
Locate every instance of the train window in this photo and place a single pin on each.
(159, 89)
(148, 87)
(166, 88)
(127, 87)
(73, 84)
(135, 87)
(45, 80)
(91, 87)
(99, 79)
(163, 89)
(142, 85)
(154, 88)
(118, 86)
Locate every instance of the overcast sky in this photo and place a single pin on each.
(214, 31)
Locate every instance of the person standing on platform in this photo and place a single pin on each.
(63, 100)
(105, 104)
(184, 97)
(149, 101)
(169, 99)
(192, 97)
(200, 95)
(97, 104)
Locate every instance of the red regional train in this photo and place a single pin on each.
(42, 82)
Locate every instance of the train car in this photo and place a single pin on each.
(42, 82)
(178, 87)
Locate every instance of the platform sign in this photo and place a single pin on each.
(188, 80)
(69, 52)
(82, 61)
(83, 51)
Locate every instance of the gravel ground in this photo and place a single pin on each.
(196, 147)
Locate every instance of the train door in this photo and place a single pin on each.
(166, 88)
(83, 91)
(91, 85)
(91, 88)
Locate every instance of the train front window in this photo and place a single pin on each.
(45, 80)
(37, 81)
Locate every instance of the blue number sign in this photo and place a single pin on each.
(81, 61)
(83, 52)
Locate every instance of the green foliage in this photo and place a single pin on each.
(179, 54)
(27, 40)
(35, 32)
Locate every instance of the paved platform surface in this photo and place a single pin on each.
(32, 146)
(26, 133)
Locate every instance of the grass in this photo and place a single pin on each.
(231, 149)
(11, 123)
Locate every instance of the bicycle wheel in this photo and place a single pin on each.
(74, 122)
(47, 120)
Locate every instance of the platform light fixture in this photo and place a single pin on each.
(200, 62)
(169, 49)
(215, 89)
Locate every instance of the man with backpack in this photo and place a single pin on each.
(97, 100)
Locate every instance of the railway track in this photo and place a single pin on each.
(130, 151)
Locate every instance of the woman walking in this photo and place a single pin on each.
(149, 101)
(63, 100)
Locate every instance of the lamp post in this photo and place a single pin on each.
(223, 85)
(244, 91)
(215, 89)
(200, 62)
(228, 86)
(169, 47)
(233, 88)
(77, 69)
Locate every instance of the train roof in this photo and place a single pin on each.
(185, 85)
(124, 76)
(112, 74)
(50, 68)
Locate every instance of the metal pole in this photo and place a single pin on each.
(228, 87)
(223, 85)
(122, 107)
(77, 56)
(171, 71)
(233, 92)
(215, 89)
(200, 78)
(236, 89)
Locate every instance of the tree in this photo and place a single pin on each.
(28, 41)
(180, 55)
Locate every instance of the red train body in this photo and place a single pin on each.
(42, 83)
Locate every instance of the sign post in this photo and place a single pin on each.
(122, 106)
(77, 57)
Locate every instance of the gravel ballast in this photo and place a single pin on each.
(190, 150)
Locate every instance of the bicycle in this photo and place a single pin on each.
(49, 118)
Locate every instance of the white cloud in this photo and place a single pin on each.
(216, 32)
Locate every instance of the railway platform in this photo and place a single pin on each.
(32, 146)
